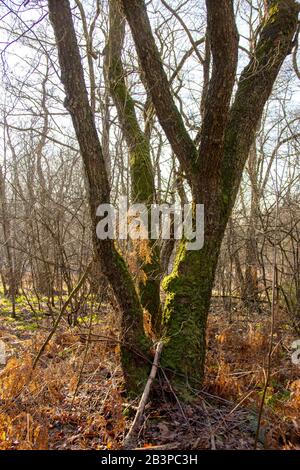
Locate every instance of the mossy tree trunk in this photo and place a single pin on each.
(142, 177)
(135, 345)
(213, 170)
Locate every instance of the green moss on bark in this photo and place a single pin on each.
(135, 345)
(188, 291)
(142, 178)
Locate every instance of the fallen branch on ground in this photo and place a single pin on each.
(130, 440)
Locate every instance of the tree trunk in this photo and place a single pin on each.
(214, 170)
(142, 178)
(135, 345)
(11, 275)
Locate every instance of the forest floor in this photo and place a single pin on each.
(74, 400)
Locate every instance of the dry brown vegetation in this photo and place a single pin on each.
(74, 399)
(164, 103)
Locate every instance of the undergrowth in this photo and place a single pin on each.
(74, 398)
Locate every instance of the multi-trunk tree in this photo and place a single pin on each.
(142, 175)
(212, 165)
(135, 345)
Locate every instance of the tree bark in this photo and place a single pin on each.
(214, 172)
(142, 178)
(135, 345)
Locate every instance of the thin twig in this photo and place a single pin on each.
(131, 437)
(269, 357)
(63, 310)
(84, 359)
